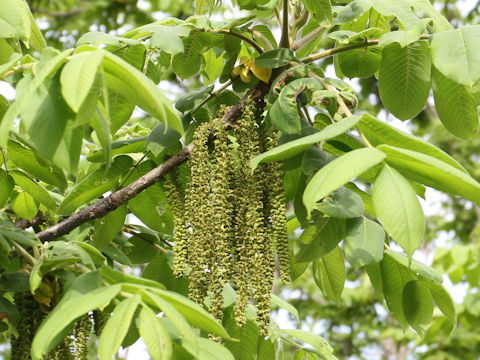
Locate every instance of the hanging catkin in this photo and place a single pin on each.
(233, 219)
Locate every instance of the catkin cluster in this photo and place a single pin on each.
(32, 313)
(230, 222)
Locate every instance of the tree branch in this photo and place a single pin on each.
(113, 201)
(242, 37)
(336, 50)
(25, 224)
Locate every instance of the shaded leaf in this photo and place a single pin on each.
(363, 242)
(329, 274)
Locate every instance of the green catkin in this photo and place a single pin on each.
(99, 318)
(81, 333)
(220, 226)
(176, 198)
(198, 212)
(276, 198)
(31, 316)
(235, 219)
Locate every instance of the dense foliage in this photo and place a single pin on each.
(213, 173)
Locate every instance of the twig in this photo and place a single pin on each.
(268, 45)
(339, 49)
(24, 252)
(140, 235)
(212, 95)
(17, 69)
(242, 37)
(284, 40)
(300, 43)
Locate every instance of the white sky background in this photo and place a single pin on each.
(431, 205)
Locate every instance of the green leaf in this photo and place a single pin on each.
(401, 9)
(32, 188)
(136, 87)
(379, 132)
(67, 311)
(397, 206)
(321, 10)
(117, 327)
(351, 11)
(275, 58)
(154, 334)
(213, 67)
(405, 37)
(44, 68)
(193, 312)
(362, 62)
(177, 319)
(134, 145)
(188, 63)
(329, 274)
(417, 305)
(404, 80)
(6, 186)
(292, 148)
(320, 239)
(276, 300)
(16, 14)
(116, 277)
(51, 125)
(456, 106)
(455, 55)
(284, 112)
(161, 139)
(342, 203)
(78, 76)
(364, 242)
(444, 301)
(36, 38)
(167, 38)
(310, 338)
(416, 266)
(392, 284)
(432, 172)
(209, 350)
(107, 227)
(24, 205)
(95, 184)
(338, 172)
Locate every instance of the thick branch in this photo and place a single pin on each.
(113, 201)
(25, 224)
